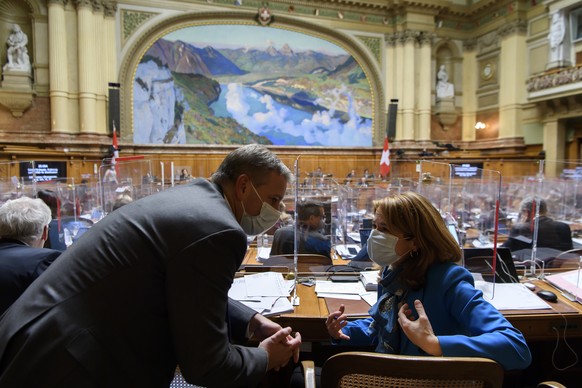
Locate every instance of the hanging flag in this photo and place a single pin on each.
(385, 159)
(115, 145)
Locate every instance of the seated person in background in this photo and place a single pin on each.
(54, 203)
(367, 174)
(23, 231)
(551, 233)
(311, 218)
(185, 175)
(350, 177)
(427, 304)
(122, 200)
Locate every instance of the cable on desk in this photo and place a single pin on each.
(567, 345)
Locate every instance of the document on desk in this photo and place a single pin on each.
(510, 296)
(263, 253)
(328, 287)
(264, 304)
(344, 250)
(266, 284)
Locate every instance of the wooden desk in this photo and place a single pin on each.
(543, 331)
(309, 317)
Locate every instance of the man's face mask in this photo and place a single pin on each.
(253, 225)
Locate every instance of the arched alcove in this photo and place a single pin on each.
(152, 33)
(15, 12)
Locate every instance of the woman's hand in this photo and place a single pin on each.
(419, 331)
(334, 323)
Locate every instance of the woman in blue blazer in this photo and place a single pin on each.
(427, 304)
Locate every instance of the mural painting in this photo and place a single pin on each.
(240, 84)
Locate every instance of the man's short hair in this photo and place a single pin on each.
(527, 204)
(254, 160)
(307, 209)
(24, 219)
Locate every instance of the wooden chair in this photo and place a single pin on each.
(367, 369)
(306, 262)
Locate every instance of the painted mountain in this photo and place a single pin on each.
(195, 90)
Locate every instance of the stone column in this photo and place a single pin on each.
(470, 81)
(399, 84)
(512, 77)
(58, 55)
(100, 70)
(87, 65)
(554, 143)
(408, 76)
(424, 80)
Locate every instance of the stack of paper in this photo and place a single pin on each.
(264, 292)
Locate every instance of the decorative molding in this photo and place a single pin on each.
(408, 36)
(131, 20)
(373, 43)
(59, 2)
(83, 3)
(567, 76)
(97, 5)
(515, 27)
(426, 38)
(16, 101)
(470, 44)
(110, 8)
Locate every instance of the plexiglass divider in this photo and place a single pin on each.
(468, 198)
(545, 211)
(130, 180)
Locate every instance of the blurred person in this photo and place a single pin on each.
(427, 304)
(55, 239)
(24, 225)
(311, 219)
(185, 175)
(551, 233)
(122, 200)
(146, 290)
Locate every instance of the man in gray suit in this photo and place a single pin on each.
(145, 289)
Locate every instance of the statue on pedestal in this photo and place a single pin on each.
(559, 44)
(17, 52)
(444, 89)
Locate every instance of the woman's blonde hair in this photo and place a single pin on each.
(417, 219)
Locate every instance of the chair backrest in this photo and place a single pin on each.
(306, 262)
(365, 369)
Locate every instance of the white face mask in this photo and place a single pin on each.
(253, 225)
(382, 248)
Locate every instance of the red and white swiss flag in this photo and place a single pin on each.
(385, 159)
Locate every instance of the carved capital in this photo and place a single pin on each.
(58, 2)
(84, 3)
(97, 5)
(426, 38)
(470, 44)
(391, 39)
(110, 8)
(515, 27)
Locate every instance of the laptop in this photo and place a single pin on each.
(480, 260)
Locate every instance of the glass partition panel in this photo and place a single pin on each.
(545, 212)
(126, 181)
